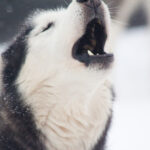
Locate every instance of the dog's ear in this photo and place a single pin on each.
(14, 57)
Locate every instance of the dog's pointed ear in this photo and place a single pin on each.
(14, 57)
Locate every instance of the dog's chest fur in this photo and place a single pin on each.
(71, 117)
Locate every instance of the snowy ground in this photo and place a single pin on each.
(131, 124)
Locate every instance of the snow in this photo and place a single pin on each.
(131, 122)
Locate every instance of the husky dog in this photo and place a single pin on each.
(55, 86)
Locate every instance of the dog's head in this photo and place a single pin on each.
(69, 43)
(76, 35)
(59, 67)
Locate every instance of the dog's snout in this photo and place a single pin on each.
(82, 1)
(93, 4)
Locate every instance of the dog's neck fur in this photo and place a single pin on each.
(65, 110)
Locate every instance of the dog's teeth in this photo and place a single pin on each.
(90, 53)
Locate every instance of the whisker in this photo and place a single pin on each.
(67, 3)
(120, 22)
(118, 8)
(110, 2)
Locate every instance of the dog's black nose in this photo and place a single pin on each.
(91, 3)
(82, 1)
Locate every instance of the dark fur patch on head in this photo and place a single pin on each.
(14, 58)
(17, 127)
(113, 93)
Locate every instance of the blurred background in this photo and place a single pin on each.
(131, 45)
(13, 12)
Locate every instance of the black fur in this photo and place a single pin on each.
(14, 58)
(101, 145)
(17, 128)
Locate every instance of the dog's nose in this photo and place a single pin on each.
(91, 3)
(82, 1)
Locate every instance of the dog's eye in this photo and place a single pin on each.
(47, 27)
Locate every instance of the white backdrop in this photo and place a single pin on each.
(131, 123)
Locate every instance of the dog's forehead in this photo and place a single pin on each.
(42, 17)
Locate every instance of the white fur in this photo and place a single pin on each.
(71, 102)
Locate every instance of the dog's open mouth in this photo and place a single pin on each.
(89, 49)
